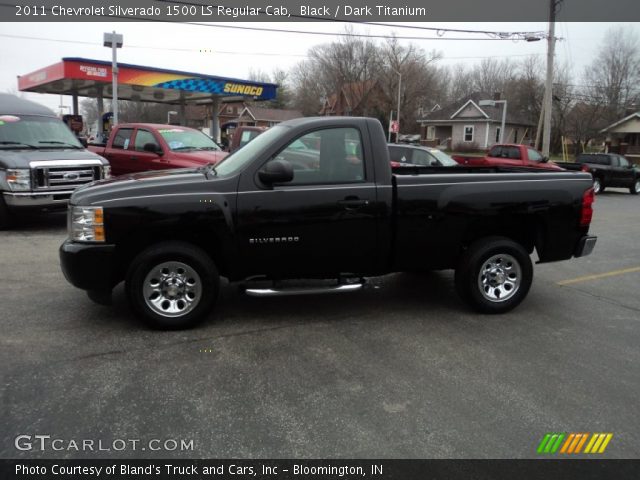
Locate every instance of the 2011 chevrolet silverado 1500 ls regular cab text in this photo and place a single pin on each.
(265, 213)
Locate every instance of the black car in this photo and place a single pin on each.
(403, 155)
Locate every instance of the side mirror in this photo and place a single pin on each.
(276, 171)
(153, 148)
(434, 163)
(545, 159)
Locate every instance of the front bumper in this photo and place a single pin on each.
(37, 199)
(89, 266)
(585, 246)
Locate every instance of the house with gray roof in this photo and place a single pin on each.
(623, 136)
(465, 125)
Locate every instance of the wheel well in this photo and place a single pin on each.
(209, 243)
(528, 233)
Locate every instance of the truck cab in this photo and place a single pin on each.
(141, 147)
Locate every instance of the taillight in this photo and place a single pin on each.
(395, 164)
(588, 197)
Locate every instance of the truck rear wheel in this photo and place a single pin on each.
(172, 285)
(494, 275)
(635, 188)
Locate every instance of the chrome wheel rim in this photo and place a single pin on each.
(172, 289)
(637, 186)
(596, 186)
(499, 278)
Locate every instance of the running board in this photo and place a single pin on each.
(281, 292)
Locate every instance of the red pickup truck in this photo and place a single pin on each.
(139, 147)
(510, 155)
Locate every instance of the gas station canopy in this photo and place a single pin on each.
(92, 78)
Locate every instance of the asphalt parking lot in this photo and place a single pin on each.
(400, 370)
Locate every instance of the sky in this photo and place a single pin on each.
(215, 50)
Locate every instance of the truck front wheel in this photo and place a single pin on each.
(494, 275)
(172, 285)
(635, 188)
(598, 186)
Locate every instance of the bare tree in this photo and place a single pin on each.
(614, 75)
(493, 76)
(349, 60)
(461, 83)
(419, 82)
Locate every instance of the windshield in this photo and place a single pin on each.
(181, 139)
(444, 159)
(35, 132)
(238, 159)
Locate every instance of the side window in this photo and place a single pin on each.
(513, 153)
(420, 157)
(495, 152)
(534, 156)
(623, 162)
(614, 161)
(396, 154)
(122, 138)
(143, 137)
(336, 158)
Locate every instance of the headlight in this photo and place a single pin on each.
(19, 179)
(106, 171)
(86, 224)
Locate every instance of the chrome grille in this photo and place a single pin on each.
(64, 176)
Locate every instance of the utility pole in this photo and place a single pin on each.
(548, 97)
(114, 41)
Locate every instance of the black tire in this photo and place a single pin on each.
(635, 188)
(598, 185)
(472, 273)
(198, 270)
(6, 219)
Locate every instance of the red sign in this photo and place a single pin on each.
(395, 126)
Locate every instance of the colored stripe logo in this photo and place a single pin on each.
(573, 443)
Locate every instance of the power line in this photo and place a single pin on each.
(339, 34)
(226, 52)
(196, 50)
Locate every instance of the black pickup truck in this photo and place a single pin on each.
(608, 170)
(336, 212)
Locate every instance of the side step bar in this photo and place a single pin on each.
(281, 292)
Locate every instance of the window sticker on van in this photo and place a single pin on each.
(9, 119)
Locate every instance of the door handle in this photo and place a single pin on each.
(353, 203)
(133, 157)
